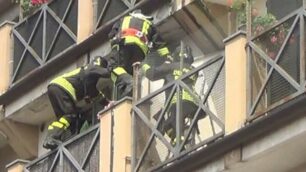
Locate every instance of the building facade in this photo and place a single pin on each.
(249, 63)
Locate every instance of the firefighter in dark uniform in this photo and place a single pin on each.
(68, 89)
(131, 39)
(169, 71)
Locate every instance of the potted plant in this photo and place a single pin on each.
(270, 41)
(29, 6)
(239, 9)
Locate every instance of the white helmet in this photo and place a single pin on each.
(138, 14)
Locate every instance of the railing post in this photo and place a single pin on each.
(236, 73)
(115, 138)
(85, 19)
(5, 53)
(236, 81)
(136, 96)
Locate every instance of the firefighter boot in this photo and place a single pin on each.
(55, 132)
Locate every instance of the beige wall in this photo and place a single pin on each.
(7, 155)
(235, 79)
(85, 19)
(5, 56)
(21, 137)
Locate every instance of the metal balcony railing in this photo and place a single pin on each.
(153, 145)
(44, 35)
(277, 64)
(81, 153)
(105, 9)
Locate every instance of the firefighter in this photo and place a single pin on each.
(65, 91)
(170, 71)
(131, 40)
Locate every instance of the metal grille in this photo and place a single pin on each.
(196, 124)
(78, 154)
(109, 9)
(44, 35)
(275, 69)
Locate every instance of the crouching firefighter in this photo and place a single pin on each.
(65, 91)
(169, 71)
(131, 39)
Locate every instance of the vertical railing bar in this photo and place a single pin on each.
(61, 163)
(249, 81)
(44, 35)
(133, 2)
(178, 118)
(54, 161)
(212, 125)
(302, 52)
(136, 95)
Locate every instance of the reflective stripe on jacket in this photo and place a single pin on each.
(65, 84)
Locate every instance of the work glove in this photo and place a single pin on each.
(124, 84)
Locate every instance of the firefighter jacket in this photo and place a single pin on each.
(82, 82)
(134, 30)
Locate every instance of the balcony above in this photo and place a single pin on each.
(4, 5)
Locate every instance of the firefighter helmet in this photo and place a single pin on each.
(139, 14)
(184, 52)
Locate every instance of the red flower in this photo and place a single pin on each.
(229, 2)
(38, 2)
(273, 39)
(272, 54)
